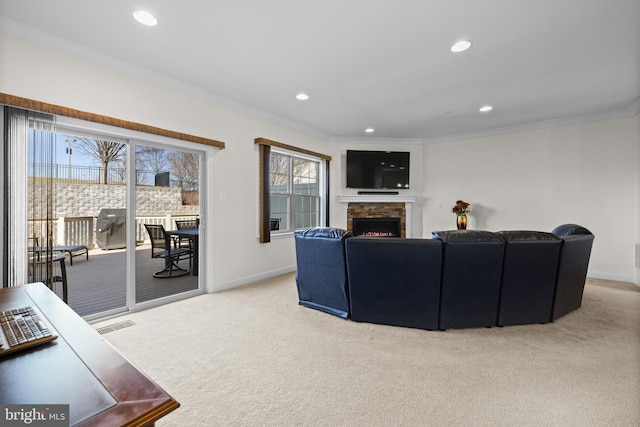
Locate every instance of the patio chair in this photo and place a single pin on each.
(161, 248)
(42, 269)
(72, 250)
(185, 224)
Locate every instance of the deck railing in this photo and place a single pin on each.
(82, 230)
(77, 231)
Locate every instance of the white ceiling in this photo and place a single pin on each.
(384, 64)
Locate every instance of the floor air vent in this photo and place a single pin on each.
(114, 327)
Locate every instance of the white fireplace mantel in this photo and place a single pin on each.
(378, 198)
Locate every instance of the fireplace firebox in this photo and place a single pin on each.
(377, 227)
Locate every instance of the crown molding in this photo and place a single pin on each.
(41, 38)
(635, 107)
(631, 111)
(369, 140)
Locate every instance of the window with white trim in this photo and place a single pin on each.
(294, 192)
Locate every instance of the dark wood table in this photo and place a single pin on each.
(193, 235)
(79, 368)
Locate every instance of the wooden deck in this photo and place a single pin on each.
(98, 284)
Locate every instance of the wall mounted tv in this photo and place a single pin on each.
(380, 170)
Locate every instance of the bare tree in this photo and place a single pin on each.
(119, 169)
(304, 171)
(104, 152)
(185, 168)
(152, 159)
(279, 171)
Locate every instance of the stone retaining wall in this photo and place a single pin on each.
(85, 200)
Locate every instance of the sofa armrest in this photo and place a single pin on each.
(321, 275)
(572, 273)
(323, 232)
(569, 230)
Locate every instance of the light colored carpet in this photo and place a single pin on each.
(251, 356)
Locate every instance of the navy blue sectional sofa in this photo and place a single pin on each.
(457, 279)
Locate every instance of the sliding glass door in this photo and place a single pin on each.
(167, 215)
(86, 229)
(123, 223)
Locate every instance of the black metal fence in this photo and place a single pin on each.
(88, 174)
(77, 174)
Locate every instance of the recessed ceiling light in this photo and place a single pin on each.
(302, 96)
(145, 18)
(369, 130)
(461, 46)
(485, 108)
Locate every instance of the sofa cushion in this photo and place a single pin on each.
(394, 281)
(471, 277)
(528, 277)
(473, 236)
(527, 236)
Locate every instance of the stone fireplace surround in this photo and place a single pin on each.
(378, 206)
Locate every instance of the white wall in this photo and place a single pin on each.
(536, 180)
(637, 204)
(49, 75)
(338, 151)
(586, 173)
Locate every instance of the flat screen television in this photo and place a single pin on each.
(379, 170)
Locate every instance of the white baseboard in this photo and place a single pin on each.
(250, 279)
(269, 274)
(616, 277)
